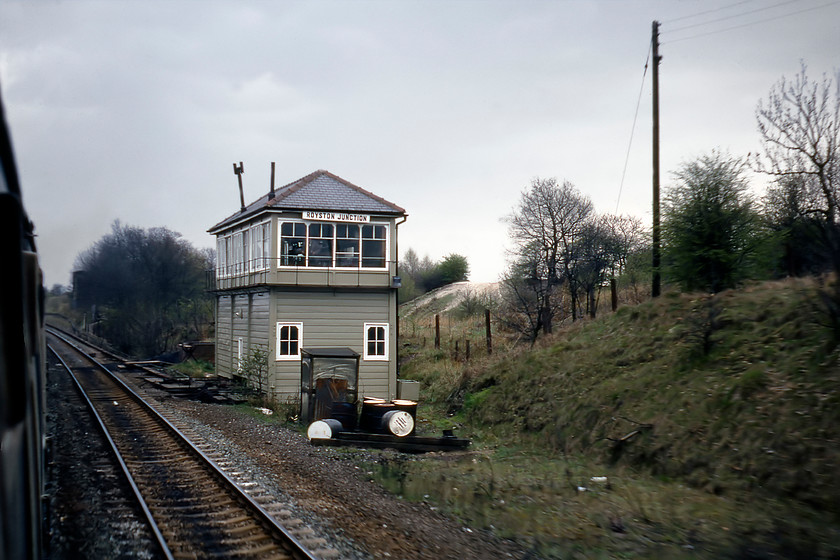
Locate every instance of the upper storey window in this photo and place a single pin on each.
(244, 251)
(292, 244)
(373, 246)
(333, 245)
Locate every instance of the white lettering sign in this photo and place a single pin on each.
(336, 217)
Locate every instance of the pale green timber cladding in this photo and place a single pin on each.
(244, 316)
(223, 340)
(336, 318)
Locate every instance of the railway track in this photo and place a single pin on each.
(192, 506)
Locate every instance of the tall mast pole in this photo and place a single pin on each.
(657, 280)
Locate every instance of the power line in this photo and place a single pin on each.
(733, 16)
(729, 7)
(756, 22)
(633, 129)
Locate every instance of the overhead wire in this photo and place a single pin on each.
(733, 16)
(747, 24)
(703, 13)
(633, 128)
(668, 32)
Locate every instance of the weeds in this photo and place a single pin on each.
(731, 447)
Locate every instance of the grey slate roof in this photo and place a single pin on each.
(319, 191)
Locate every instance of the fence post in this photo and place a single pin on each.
(437, 331)
(487, 330)
(613, 294)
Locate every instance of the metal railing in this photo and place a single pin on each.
(256, 273)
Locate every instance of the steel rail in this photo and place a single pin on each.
(123, 467)
(298, 550)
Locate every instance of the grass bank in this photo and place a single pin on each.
(693, 424)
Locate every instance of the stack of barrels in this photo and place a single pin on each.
(397, 417)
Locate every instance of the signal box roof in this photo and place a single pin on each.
(319, 191)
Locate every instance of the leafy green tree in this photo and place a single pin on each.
(709, 226)
(422, 275)
(453, 268)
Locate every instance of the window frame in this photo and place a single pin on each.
(221, 256)
(367, 356)
(334, 242)
(288, 357)
(261, 246)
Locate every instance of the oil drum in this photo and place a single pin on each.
(398, 423)
(410, 407)
(372, 411)
(324, 429)
(345, 413)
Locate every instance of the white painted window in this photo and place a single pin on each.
(260, 246)
(237, 254)
(246, 252)
(347, 245)
(221, 257)
(339, 245)
(374, 246)
(292, 244)
(289, 341)
(376, 341)
(228, 270)
(320, 249)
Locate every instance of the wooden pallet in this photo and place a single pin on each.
(408, 444)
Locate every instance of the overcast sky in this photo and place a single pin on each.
(136, 111)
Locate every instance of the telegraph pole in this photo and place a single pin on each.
(657, 280)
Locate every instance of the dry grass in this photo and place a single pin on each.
(715, 418)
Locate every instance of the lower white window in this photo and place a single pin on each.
(376, 341)
(289, 340)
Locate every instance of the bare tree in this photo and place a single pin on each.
(627, 235)
(800, 129)
(531, 299)
(545, 227)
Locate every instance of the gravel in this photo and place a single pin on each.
(329, 490)
(323, 486)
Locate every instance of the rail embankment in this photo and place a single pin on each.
(727, 404)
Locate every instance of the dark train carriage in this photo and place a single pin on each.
(22, 381)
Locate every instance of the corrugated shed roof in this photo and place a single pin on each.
(319, 191)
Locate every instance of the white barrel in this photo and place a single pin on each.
(398, 422)
(324, 429)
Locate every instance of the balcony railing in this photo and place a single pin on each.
(256, 273)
